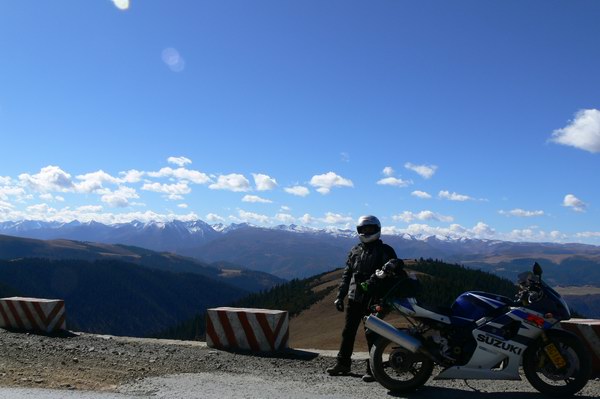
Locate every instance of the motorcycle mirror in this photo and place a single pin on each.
(537, 269)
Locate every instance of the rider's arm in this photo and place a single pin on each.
(346, 277)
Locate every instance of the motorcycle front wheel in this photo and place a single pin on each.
(544, 376)
(398, 369)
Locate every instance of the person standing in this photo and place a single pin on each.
(363, 260)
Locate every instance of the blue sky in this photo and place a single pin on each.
(466, 118)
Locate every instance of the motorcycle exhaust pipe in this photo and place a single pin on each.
(390, 332)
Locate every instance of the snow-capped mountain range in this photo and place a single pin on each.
(290, 251)
(161, 236)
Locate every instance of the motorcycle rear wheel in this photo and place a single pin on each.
(398, 369)
(546, 378)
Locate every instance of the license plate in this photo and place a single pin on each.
(557, 359)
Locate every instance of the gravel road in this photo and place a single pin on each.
(90, 366)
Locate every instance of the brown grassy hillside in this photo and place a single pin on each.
(320, 326)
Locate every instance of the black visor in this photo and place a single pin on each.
(368, 229)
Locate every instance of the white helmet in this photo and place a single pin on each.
(368, 228)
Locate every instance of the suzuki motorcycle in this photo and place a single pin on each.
(481, 336)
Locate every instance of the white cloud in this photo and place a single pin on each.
(50, 178)
(299, 191)
(214, 218)
(40, 209)
(131, 176)
(183, 206)
(556, 235)
(388, 171)
(479, 231)
(232, 182)
(421, 194)
(172, 191)
(454, 231)
(307, 219)
(582, 133)
(5, 180)
(88, 213)
(482, 230)
(345, 157)
(523, 235)
(393, 181)
(409, 217)
(92, 182)
(12, 191)
(285, 218)
(193, 176)
(391, 230)
(454, 196)
(521, 213)
(285, 208)
(120, 197)
(572, 201)
(179, 161)
(329, 180)
(589, 234)
(49, 197)
(6, 207)
(255, 198)
(334, 218)
(251, 216)
(264, 182)
(425, 171)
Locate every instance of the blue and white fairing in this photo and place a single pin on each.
(474, 305)
(468, 307)
(501, 332)
(502, 337)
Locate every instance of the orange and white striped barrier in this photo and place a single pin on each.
(589, 332)
(32, 314)
(257, 330)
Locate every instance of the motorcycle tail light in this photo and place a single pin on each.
(535, 320)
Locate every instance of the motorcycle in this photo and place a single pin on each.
(481, 336)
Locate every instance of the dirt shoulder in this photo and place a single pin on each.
(102, 363)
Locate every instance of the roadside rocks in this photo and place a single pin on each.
(93, 362)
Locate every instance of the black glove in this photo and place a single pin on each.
(339, 304)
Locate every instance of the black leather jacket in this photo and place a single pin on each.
(362, 262)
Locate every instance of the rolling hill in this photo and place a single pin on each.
(121, 290)
(246, 279)
(116, 297)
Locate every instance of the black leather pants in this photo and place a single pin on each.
(355, 311)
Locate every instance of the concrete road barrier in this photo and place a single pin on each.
(256, 330)
(589, 331)
(32, 314)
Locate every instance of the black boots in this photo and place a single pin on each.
(339, 369)
(368, 377)
(344, 369)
